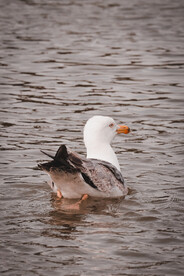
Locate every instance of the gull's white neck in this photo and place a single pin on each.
(103, 151)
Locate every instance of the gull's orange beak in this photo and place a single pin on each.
(122, 129)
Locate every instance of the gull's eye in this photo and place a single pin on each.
(111, 125)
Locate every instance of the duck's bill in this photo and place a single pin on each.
(123, 129)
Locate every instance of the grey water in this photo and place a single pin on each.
(62, 62)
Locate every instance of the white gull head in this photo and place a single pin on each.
(99, 132)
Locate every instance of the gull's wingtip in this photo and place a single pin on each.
(48, 154)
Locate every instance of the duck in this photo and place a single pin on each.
(73, 176)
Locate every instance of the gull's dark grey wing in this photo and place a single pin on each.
(102, 174)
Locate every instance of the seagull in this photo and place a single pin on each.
(96, 175)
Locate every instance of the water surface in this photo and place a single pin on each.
(61, 63)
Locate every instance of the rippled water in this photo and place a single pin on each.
(61, 63)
